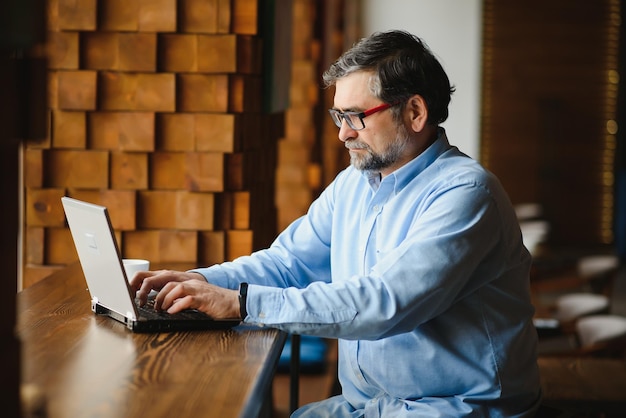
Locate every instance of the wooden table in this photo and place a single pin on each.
(92, 366)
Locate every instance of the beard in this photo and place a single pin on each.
(372, 161)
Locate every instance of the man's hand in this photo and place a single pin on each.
(145, 281)
(185, 290)
(215, 301)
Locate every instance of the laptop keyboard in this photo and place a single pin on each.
(147, 311)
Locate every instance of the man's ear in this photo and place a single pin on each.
(418, 112)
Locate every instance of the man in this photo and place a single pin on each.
(412, 258)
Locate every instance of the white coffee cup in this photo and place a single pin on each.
(133, 265)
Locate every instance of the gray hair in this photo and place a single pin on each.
(402, 65)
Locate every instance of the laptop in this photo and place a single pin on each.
(108, 285)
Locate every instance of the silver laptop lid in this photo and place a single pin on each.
(99, 256)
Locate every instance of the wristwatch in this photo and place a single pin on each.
(243, 297)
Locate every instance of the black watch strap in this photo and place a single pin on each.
(243, 297)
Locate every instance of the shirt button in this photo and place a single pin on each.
(376, 208)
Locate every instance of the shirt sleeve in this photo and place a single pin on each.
(453, 248)
(299, 256)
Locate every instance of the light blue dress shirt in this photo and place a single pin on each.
(424, 280)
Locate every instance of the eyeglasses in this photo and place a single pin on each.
(355, 119)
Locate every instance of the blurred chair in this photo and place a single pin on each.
(602, 335)
(599, 272)
(534, 233)
(591, 273)
(528, 211)
(534, 228)
(568, 309)
(572, 306)
(594, 336)
(586, 291)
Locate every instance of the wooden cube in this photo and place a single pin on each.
(76, 14)
(315, 176)
(241, 210)
(124, 131)
(136, 131)
(178, 53)
(191, 171)
(34, 273)
(80, 169)
(175, 210)
(104, 130)
(224, 16)
(118, 15)
(217, 53)
(119, 51)
(99, 50)
(129, 170)
(211, 247)
(161, 246)
(157, 16)
(245, 17)
(137, 91)
(76, 90)
(34, 245)
(59, 246)
(33, 168)
(63, 50)
(176, 132)
(167, 170)
(202, 93)
(238, 243)
(291, 175)
(236, 178)
(293, 202)
(216, 132)
(299, 125)
(52, 15)
(43, 207)
(137, 51)
(204, 171)
(69, 129)
(198, 16)
(120, 203)
(301, 94)
(292, 152)
(195, 211)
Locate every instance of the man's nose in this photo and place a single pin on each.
(346, 132)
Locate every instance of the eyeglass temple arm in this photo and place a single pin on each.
(376, 109)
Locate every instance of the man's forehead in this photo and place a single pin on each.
(354, 90)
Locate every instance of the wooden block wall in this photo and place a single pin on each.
(294, 185)
(155, 112)
(341, 28)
